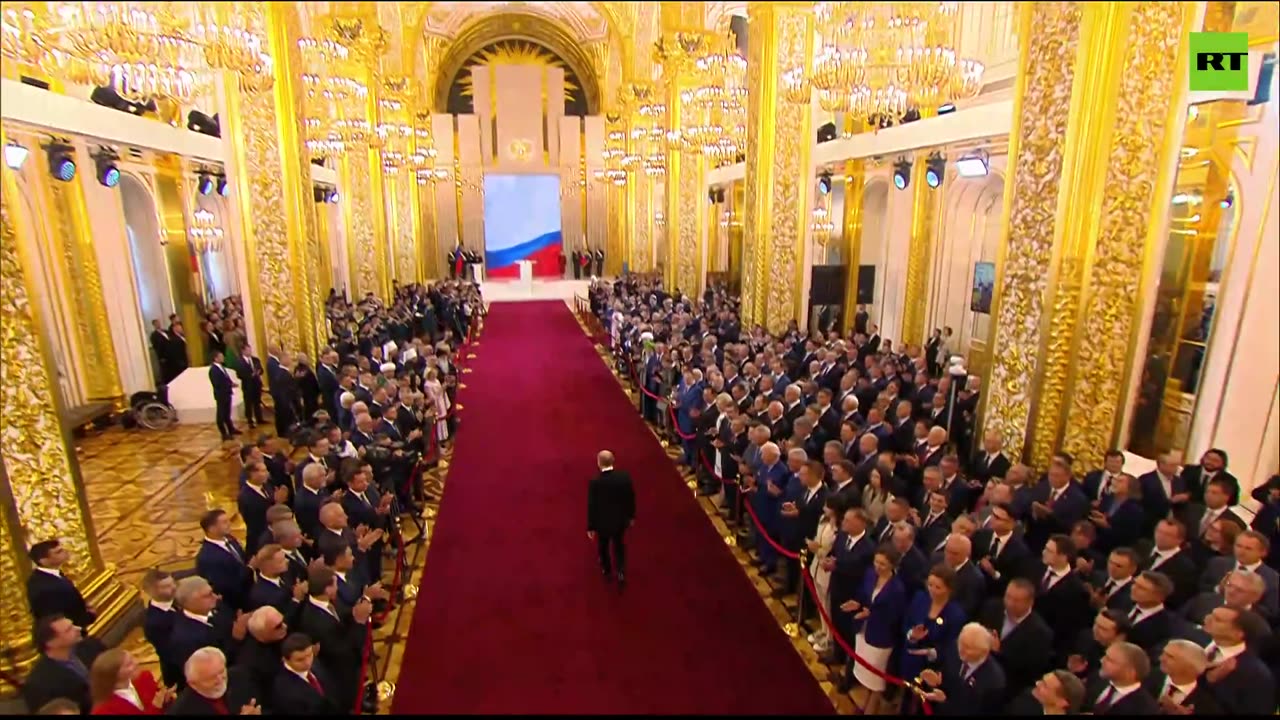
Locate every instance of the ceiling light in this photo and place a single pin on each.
(224, 189)
(824, 183)
(935, 170)
(15, 154)
(973, 165)
(204, 183)
(104, 164)
(62, 162)
(902, 174)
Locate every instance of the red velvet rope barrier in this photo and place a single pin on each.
(396, 579)
(761, 532)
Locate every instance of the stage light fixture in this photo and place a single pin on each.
(946, 108)
(318, 193)
(204, 124)
(1226, 202)
(15, 154)
(224, 189)
(711, 196)
(333, 197)
(204, 183)
(824, 183)
(935, 170)
(974, 165)
(62, 161)
(902, 174)
(104, 164)
(720, 195)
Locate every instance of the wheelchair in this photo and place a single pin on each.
(151, 410)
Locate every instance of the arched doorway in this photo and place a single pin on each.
(155, 300)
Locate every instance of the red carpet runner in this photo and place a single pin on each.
(513, 616)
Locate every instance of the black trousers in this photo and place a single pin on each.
(253, 407)
(619, 557)
(223, 414)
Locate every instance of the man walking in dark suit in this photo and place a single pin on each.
(220, 379)
(49, 592)
(249, 369)
(611, 509)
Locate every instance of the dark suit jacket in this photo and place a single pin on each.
(1193, 476)
(1138, 702)
(884, 624)
(189, 635)
(1125, 521)
(929, 534)
(49, 679)
(341, 645)
(1247, 690)
(294, 695)
(157, 625)
(982, 694)
(1023, 652)
(230, 576)
(253, 509)
(306, 508)
(1013, 561)
(1065, 607)
(611, 502)
(1152, 630)
(1068, 509)
(1218, 568)
(260, 663)
(240, 690)
(970, 589)
(279, 596)
(851, 566)
(1181, 569)
(980, 469)
(1154, 502)
(221, 381)
(1201, 698)
(49, 594)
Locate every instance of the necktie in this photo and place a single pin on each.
(1105, 486)
(1109, 587)
(968, 672)
(1047, 581)
(1243, 569)
(848, 543)
(1133, 614)
(1104, 700)
(1173, 693)
(995, 546)
(1207, 520)
(1214, 655)
(363, 499)
(1156, 559)
(313, 682)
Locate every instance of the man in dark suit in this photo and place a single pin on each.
(1250, 549)
(1213, 465)
(1176, 686)
(272, 588)
(851, 554)
(62, 670)
(801, 513)
(303, 686)
(1171, 558)
(178, 360)
(935, 523)
(212, 689)
(339, 630)
(49, 592)
(1056, 693)
(1163, 489)
(1119, 690)
(611, 509)
(1020, 636)
(1057, 505)
(971, 681)
(1119, 516)
(284, 392)
(1000, 551)
(327, 381)
(220, 379)
(1241, 683)
(991, 462)
(259, 654)
(1097, 483)
(160, 340)
(203, 622)
(250, 372)
(222, 561)
(1063, 600)
(1216, 506)
(1152, 623)
(256, 496)
(157, 622)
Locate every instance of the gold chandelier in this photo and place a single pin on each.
(205, 234)
(335, 98)
(878, 61)
(143, 50)
(713, 110)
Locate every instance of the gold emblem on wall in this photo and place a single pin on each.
(520, 149)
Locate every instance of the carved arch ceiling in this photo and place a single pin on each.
(583, 19)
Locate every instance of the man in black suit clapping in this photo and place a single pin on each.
(971, 682)
(611, 509)
(49, 592)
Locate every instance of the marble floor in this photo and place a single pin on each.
(147, 489)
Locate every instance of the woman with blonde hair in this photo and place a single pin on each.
(437, 403)
(118, 686)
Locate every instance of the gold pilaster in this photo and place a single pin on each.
(271, 170)
(737, 198)
(40, 484)
(778, 173)
(924, 214)
(383, 253)
(685, 214)
(357, 209)
(855, 182)
(1078, 201)
(325, 260)
(173, 196)
(78, 266)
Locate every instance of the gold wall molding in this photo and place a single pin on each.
(685, 211)
(407, 252)
(1091, 113)
(925, 206)
(855, 183)
(778, 170)
(358, 213)
(70, 222)
(173, 196)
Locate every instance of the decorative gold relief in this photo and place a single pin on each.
(1049, 34)
(756, 202)
(688, 242)
(855, 181)
(1051, 393)
(924, 214)
(642, 223)
(406, 252)
(79, 265)
(1141, 148)
(358, 210)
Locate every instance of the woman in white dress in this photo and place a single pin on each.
(820, 546)
(437, 403)
(877, 620)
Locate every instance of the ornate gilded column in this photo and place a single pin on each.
(925, 202)
(41, 491)
(683, 37)
(855, 183)
(271, 169)
(173, 204)
(779, 140)
(1079, 200)
(78, 265)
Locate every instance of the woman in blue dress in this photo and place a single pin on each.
(931, 625)
(877, 622)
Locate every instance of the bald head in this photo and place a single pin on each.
(604, 459)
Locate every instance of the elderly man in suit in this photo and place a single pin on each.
(1239, 588)
(1019, 635)
(611, 509)
(1250, 550)
(49, 592)
(971, 682)
(213, 690)
(203, 622)
(1176, 686)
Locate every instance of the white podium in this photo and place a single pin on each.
(526, 276)
(477, 271)
(192, 396)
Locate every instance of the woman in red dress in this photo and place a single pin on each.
(119, 686)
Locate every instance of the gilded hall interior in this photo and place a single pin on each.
(1100, 238)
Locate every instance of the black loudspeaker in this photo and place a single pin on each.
(866, 284)
(826, 285)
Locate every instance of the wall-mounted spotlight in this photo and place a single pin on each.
(104, 165)
(975, 164)
(204, 183)
(946, 108)
(935, 169)
(324, 194)
(711, 196)
(15, 154)
(720, 195)
(224, 189)
(1226, 202)
(824, 183)
(62, 161)
(203, 124)
(902, 174)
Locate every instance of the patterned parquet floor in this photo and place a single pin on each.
(147, 489)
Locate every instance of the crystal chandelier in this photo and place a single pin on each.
(335, 98)
(204, 233)
(424, 156)
(880, 60)
(713, 110)
(143, 50)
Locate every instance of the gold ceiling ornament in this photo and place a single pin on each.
(882, 60)
(204, 233)
(144, 50)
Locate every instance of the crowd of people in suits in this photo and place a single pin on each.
(276, 621)
(460, 262)
(937, 557)
(586, 263)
